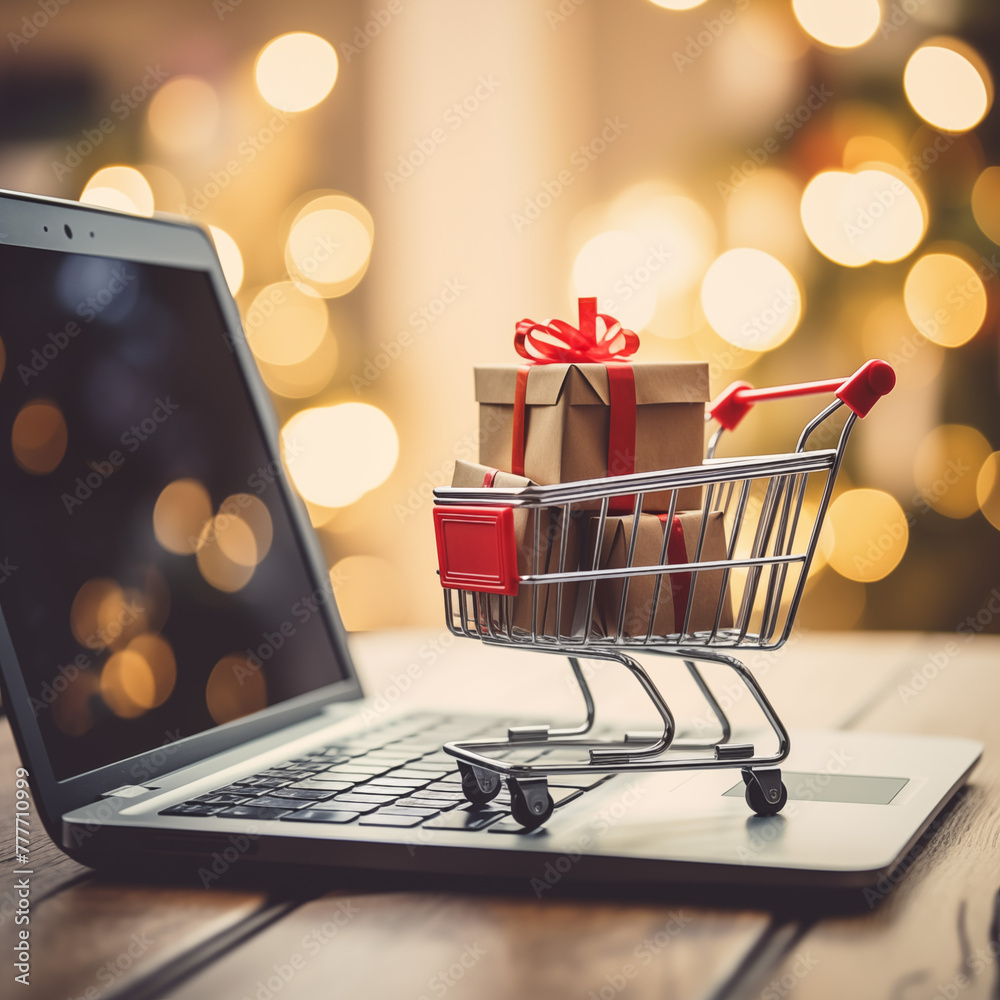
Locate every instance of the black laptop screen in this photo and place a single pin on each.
(150, 576)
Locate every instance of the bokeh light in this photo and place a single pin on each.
(865, 535)
(945, 299)
(227, 553)
(124, 189)
(986, 202)
(128, 685)
(159, 657)
(103, 615)
(366, 588)
(336, 454)
(329, 244)
(677, 4)
(763, 213)
(38, 437)
(988, 489)
(235, 688)
(181, 511)
(254, 513)
(230, 258)
(306, 377)
(945, 468)
(872, 215)
(751, 299)
(184, 115)
(72, 711)
(296, 71)
(948, 85)
(285, 325)
(619, 268)
(842, 24)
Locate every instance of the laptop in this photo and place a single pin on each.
(174, 668)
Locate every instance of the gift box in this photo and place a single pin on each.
(552, 527)
(678, 591)
(579, 411)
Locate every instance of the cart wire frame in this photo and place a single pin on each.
(772, 527)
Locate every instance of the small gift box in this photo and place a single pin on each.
(576, 410)
(656, 544)
(552, 526)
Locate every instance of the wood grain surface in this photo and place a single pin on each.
(102, 938)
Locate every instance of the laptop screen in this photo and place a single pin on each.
(150, 576)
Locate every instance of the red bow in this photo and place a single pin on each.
(557, 341)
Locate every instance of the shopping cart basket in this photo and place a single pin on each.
(772, 508)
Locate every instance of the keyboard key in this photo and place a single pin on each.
(388, 781)
(361, 769)
(321, 816)
(425, 776)
(221, 798)
(192, 809)
(510, 825)
(362, 796)
(433, 766)
(448, 787)
(397, 810)
(258, 782)
(306, 794)
(359, 806)
(436, 805)
(461, 819)
(436, 796)
(378, 820)
(316, 784)
(273, 802)
(251, 812)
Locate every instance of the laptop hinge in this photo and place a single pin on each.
(126, 792)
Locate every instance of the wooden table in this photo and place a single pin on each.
(934, 934)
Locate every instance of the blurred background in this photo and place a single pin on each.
(783, 188)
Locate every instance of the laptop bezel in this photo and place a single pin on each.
(175, 243)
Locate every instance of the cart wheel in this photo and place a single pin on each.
(766, 794)
(480, 786)
(530, 802)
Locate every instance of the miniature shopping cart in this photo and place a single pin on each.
(772, 508)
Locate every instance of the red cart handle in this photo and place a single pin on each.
(861, 391)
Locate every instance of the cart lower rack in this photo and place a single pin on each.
(593, 584)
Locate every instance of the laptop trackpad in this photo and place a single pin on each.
(806, 786)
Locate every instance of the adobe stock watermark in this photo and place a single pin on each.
(711, 30)
(897, 14)
(88, 310)
(121, 107)
(785, 129)
(365, 34)
(554, 871)
(579, 161)
(453, 119)
(562, 12)
(782, 986)
(246, 153)
(311, 945)
(937, 662)
(131, 440)
(465, 449)
(441, 982)
(643, 955)
(45, 11)
(402, 680)
(637, 278)
(418, 322)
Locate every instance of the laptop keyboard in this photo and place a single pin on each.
(395, 775)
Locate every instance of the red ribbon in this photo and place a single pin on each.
(556, 342)
(680, 583)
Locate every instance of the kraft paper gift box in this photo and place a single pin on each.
(469, 475)
(578, 410)
(677, 590)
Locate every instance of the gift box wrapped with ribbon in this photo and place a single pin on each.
(576, 407)
(557, 548)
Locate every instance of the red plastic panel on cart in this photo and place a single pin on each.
(477, 549)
